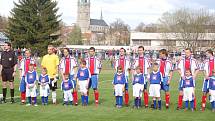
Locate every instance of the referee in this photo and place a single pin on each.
(8, 64)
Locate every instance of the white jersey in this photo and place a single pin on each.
(125, 63)
(145, 64)
(208, 66)
(94, 64)
(72, 65)
(24, 63)
(193, 66)
(165, 67)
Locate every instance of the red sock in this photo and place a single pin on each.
(194, 102)
(126, 97)
(23, 97)
(75, 97)
(146, 99)
(167, 96)
(96, 94)
(204, 99)
(180, 97)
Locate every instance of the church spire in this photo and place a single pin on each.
(101, 17)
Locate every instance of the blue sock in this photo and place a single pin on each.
(186, 104)
(82, 99)
(120, 100)
(29, 100)
(139, 102)
(154, 101)
(46, 100)
(35, 100)
(212, 105)
(159, 104)
(70, 102)
(87, 101)
(43, 101)
(135, 102)
(117, 100)
(192, 104)
(66, 102)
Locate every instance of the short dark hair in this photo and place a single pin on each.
(188, 49)
(8, 43)
(92, 48)
(188, 70)
(141, 47)
(45, 69)
(119, 67)
(83, 62)
(123, 49)
(67, 49)
(155, 64)
(164, 51)
(210, 51)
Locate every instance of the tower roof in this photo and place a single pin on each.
(98, 22)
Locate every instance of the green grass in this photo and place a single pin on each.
(106, 110)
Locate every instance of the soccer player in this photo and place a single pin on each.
(125, 64)
(211, 87)
(186, 63)
(188, 86)
(155, 80)
(119, 86)
(94, 65)
(51, 62)
(23, 69)
(31, 79)
(44, 82)
(67, 86)
(83, 79)
(166, 69)
(144, 65)
(68, 66)
(209, 66)
(138, 86)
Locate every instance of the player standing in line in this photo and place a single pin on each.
(138, 86)
(209, 66)
(119, 86)
(125, 64)
(166, 69)
(83, 79)
(155, 80)
(186, 63)
(211, 87)
(144, 65)
(94, 65)
(23, 69)
(44, 82)
(31, 79)
(68, 66)
(67, 86)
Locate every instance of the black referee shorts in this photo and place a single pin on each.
(7, 74)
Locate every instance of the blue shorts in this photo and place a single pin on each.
(164, 84)
(126, 83)
(74, 82)
(22, 86)
(204, 86)
(180, 88)
(94, 82)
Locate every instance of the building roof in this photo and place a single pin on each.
(98, 22)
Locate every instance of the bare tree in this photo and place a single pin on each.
(188, 27)
(3, 23)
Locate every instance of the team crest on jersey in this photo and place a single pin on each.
(136, 79)
(66, 85)
(154, 77)
(43, 80)
(214, 83)
(187, 82)
(81, 73)
(118, 78)
(31, 76)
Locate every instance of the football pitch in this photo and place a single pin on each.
(106, 110)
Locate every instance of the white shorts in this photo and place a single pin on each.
(44, 90)
(154, 90)
(138, 90)
(118, 89)
(31, 92)
(67, 95)
(188, 94)
(212, 93)
(83, 85)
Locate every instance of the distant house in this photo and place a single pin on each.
(3, 38)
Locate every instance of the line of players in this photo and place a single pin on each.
(87, 77)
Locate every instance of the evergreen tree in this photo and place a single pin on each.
(34, 24)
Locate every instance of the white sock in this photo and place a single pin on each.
(54, 95)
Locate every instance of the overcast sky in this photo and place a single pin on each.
(131, 12)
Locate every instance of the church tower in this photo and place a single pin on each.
(83, 18)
